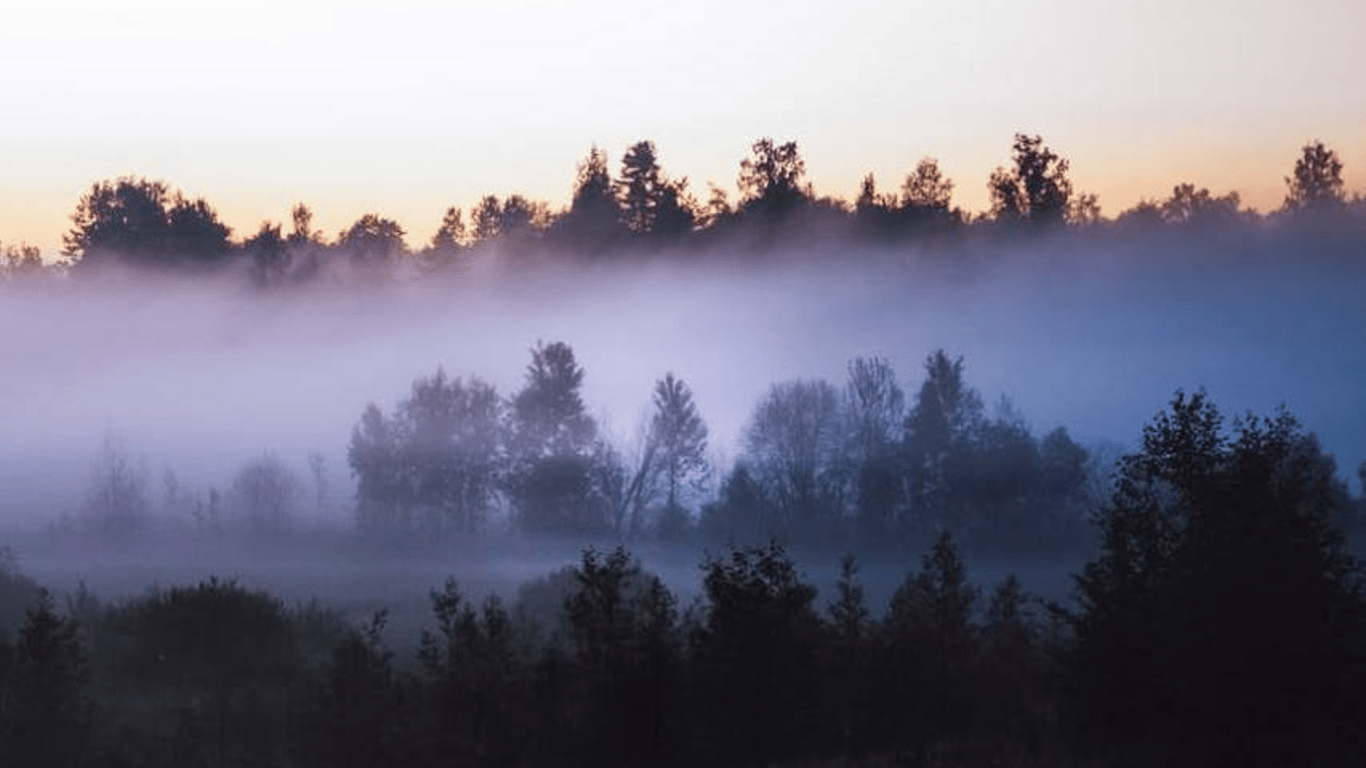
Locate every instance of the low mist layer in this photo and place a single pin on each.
(198, 376)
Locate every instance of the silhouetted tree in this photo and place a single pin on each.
(756, 650)
(1084, 210)
(373, 242)
(21, 262)
(940, 430)
(269, 252)
(926, 195)
(1223, 618)
(450, 240)
(676, 445)
(931, 643)
(1020, 697)
(926, 188)
(354, 716)
(772, 180)
(44, 710)
(1190, 206)
(875, 409)
(435, 465)
(382, 496)
(873, 211)
(522, 219)
(552, 441)
(301, 218)
(143, 222)
(1036, 190)
(849, 663)
(792, 444)
(487, 219)
(450, 236)
(593, 221)
(479, 683)
(995, 479)
(1062, 473)
(1317, 181)
(652, 205)
(741, 513)
(621, 625)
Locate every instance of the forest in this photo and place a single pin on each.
(829, 534)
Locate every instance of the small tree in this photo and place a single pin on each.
(44, 714)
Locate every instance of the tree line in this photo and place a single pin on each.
(642, 209)
(456, 463)
(1220, 621)
(820, 467)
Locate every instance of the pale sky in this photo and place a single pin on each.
(404, 107)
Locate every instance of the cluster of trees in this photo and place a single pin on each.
(820, 465)
(1220, 621)
(146, 222)
(861, 467)
(453, 452)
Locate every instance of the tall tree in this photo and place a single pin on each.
(651, 203)
(552, 442)
(1316, 183)
(451, 236)
(593, 220)
(793, 443)
(940, 430)
(1036, 190)
(772, 179)
(1223, 600)
(677, 443)
(875, 408)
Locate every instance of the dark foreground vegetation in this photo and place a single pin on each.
(1220, 622)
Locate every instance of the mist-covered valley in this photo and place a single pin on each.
(764, 497)
(189, 379)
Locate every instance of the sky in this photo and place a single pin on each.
(405, 107)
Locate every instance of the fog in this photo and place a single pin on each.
(197, 376)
